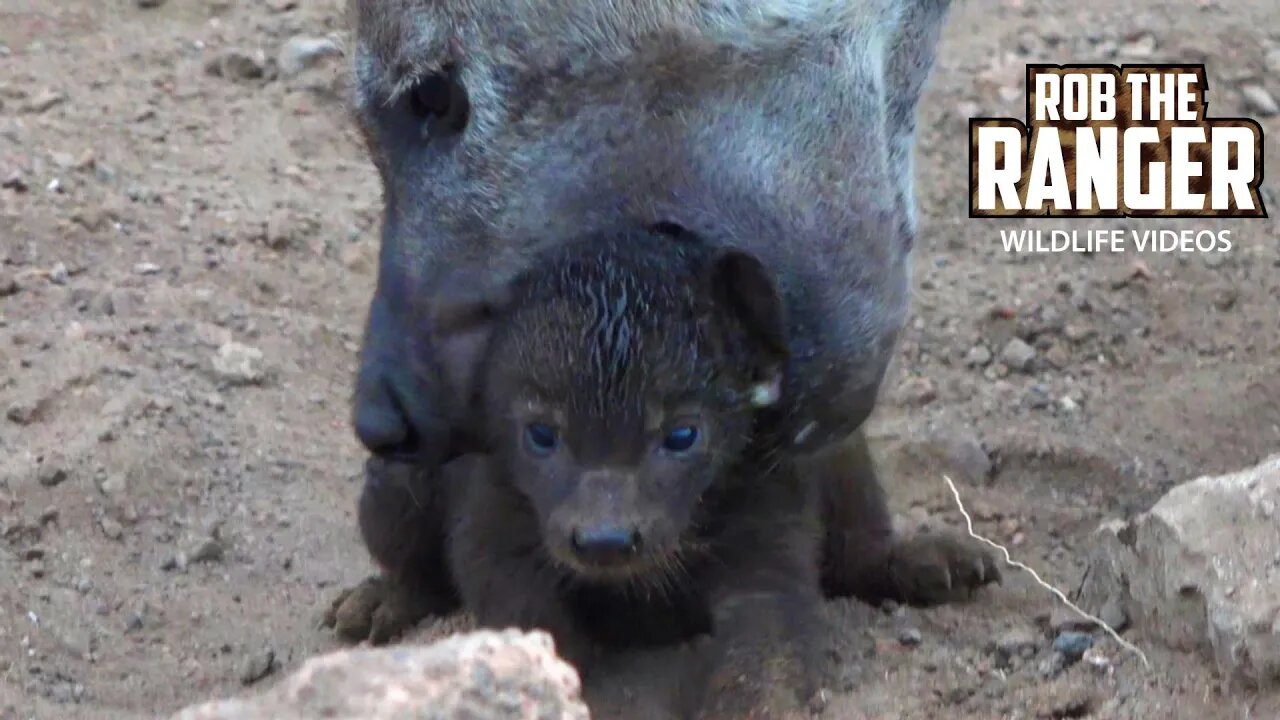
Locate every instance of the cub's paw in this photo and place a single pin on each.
(377, 610)
(932, 568)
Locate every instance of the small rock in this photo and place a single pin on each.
(1140, 45)
(1258, 100)
(1200, 570)
(115, 485)
(1037, 397)
(978, 356)
(919, 391)
(15, 182)
(146, 268)
(1067, 404)
(1097, 661)
(239, 364)
(257, 666)
(1057, 356)
(149, 4)
(300, 52)
(22, 413)
(357, 256)
(51, 473)
(282, 230)
(1225, 299)
(1016, 643)
(1018, 355)
(1072, 645)
(910, 637)
(236, 64)
(8, 285)
(1077, 333)
(59, 274)
(210, 550)
(112, 529)
(1052, 666)
(494, 675)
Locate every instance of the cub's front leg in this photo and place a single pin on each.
(763, 659)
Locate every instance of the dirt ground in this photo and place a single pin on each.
(170, 532)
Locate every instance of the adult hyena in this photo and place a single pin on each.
(781, 128)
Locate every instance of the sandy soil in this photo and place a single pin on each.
(168, 532)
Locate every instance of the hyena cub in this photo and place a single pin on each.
(632, 494)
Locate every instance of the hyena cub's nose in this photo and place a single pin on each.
(606, 543)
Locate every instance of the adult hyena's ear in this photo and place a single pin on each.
(744, 289)
(462, 315)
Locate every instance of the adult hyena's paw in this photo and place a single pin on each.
(932, 568)
(377, 610)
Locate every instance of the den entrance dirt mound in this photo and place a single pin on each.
(187, 239)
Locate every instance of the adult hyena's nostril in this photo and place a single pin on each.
(605, 544)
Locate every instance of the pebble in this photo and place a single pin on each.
(114, 485)
(1077, 333)
(300, 52)
(282, 231)
(112, 529)
(210, 550)
(59, 274)
(1141, 45)
(51, 473)
(978, 356)
(239, 364)
(1072, 645)
(1258, 100)
(257, 666)
(1018, 355)
(8, 285)
(1052, 666)
(919, 391)
(1016, 643)
(1225, 299)
(146, 268)
(910, 637)
(15, 182)
(236, 64)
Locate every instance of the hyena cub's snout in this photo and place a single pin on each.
(605, 524)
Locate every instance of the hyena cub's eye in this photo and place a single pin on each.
(540, 439)
(681, 439)
(440, 102)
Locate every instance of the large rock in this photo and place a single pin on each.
(1201, 571)
(508, 675)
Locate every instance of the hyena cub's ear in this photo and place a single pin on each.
(745, 291)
